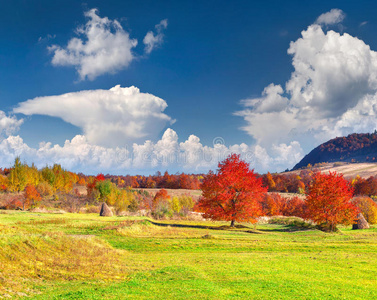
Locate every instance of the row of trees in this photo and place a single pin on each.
(26, 186)
(298, 183)
(236, 193)
(167, 181)
(16, 178)
(21, 175)
(100, 189)
(233, 193)
(29, 185)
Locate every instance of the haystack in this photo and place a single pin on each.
(105, 211)
(360, 222)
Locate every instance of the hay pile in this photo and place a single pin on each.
(360, 223)
(105, 211)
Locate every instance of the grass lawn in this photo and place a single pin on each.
(83, 256)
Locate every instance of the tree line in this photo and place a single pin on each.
(233, 193)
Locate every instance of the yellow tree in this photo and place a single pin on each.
(33, 176)
(17, 178)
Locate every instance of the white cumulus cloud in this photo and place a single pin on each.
(102, 46)
(168, 153)
(331, 92)
(332, 17)
(9, 124)
(111, 118)
(153, 40)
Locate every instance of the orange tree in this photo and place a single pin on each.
(328, 201)
(31, 196)
(161, 204)
(233, 193)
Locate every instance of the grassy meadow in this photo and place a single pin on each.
(84, 256)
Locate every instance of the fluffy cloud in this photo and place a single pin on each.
(103, 46)
(166, 154)
(111, 118)
(271, 100)
(9, 124)
(334, 16)
(331, 92)
(77, 155)
(152, 40)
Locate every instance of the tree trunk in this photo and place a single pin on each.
(232, 223)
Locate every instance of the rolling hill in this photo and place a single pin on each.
(354, 148)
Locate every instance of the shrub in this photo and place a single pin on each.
(106, 191)
(14, 202)
(92, 209)
(162, 210)
(186, 203)
(291, 221)
(161, 205)
(123, 200)
(44, 189)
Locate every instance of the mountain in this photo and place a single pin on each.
(356, 147)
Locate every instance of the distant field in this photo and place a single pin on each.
(83, 256)
(176, 192)
(364, 170)
(195, 194)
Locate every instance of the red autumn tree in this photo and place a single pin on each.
(161, 196)
(100, 177)
(329, 201)
(233, 193)
(31, 196)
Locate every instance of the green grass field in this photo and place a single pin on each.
(77, 256)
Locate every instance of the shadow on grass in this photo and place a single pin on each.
(288, 224)
(223, 227)
(287, 228)
(237, 227)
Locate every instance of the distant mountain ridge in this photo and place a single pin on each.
(356, 147)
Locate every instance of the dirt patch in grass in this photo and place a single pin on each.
(44, 222)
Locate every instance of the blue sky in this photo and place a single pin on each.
(205, 58)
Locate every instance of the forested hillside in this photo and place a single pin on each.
(356, 147)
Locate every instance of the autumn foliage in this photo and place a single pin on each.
(329, 201)
(368, 208)
(160, 197)
(233, 193)
(31, 196)
(295, 206)
(166, 180)
(275, 205)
